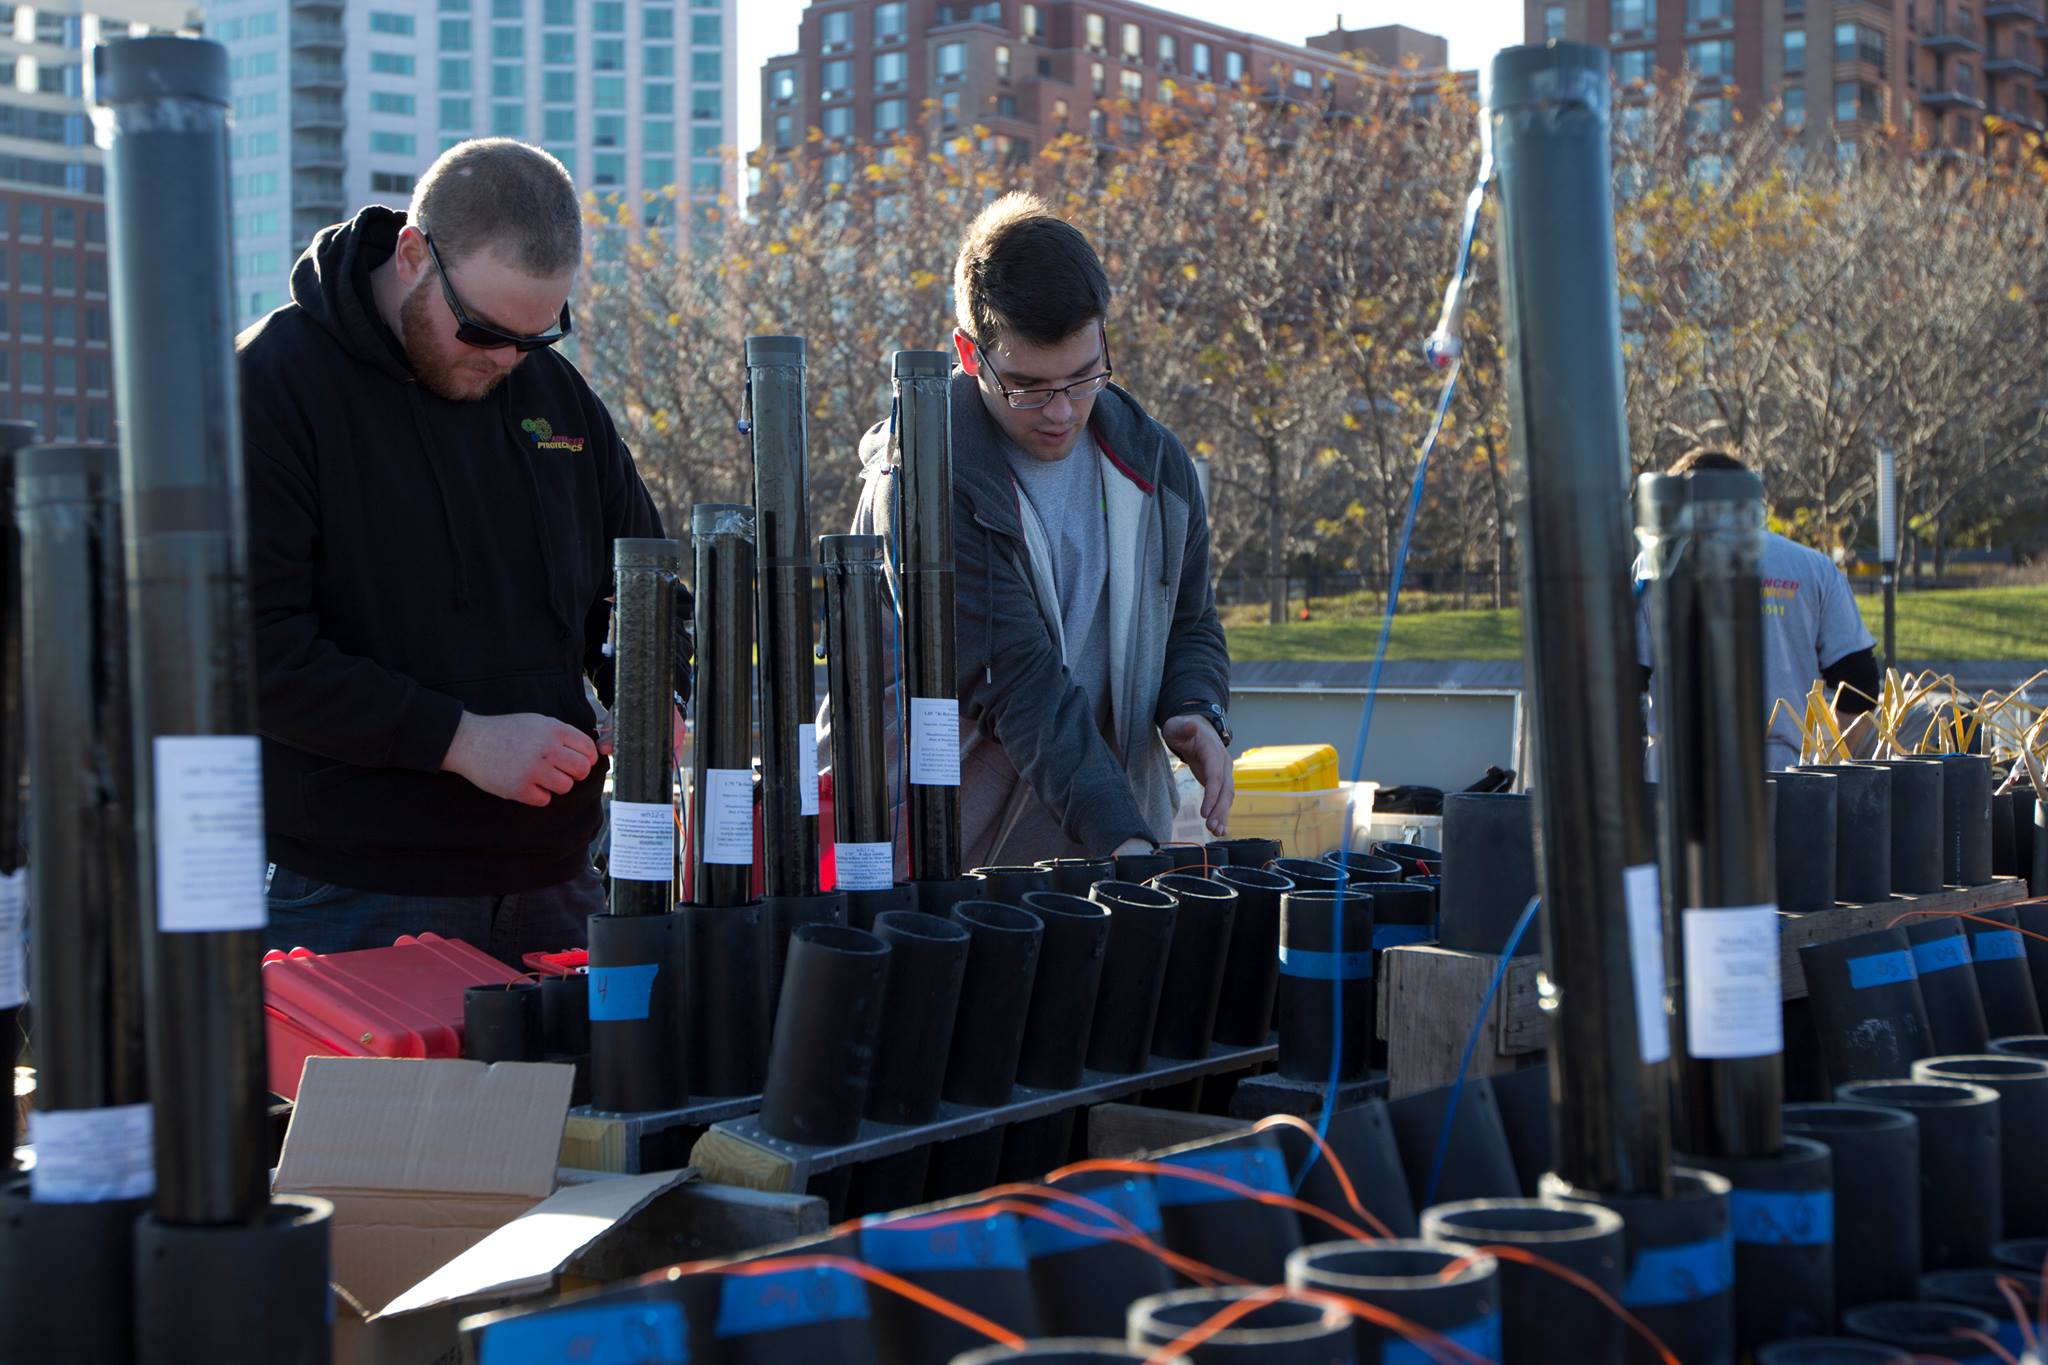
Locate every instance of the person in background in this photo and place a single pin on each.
(433, 496)
(1812, 629)
(1088, 639)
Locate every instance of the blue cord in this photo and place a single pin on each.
(1500, 971)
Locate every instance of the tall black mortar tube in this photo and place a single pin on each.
(1702, 542)
(73, 1224)
(924, 407)
(782, 541)
(722, 765)
(13, 967)
(863, 851)
(638, 954)
(1546, 114)
(197, 767)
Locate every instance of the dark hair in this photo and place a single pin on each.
(494, 193)
(1703, 458)
(1024, 269)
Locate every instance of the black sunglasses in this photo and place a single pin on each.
(482, 335)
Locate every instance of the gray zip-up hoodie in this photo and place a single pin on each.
(1037, 778)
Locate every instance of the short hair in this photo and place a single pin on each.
(498, 194)
(1023, 268)
(1704, 458)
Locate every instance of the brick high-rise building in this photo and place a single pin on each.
(56, 361)
(864, 69)
(1932, 69)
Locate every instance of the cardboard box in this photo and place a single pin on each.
(442, 1175)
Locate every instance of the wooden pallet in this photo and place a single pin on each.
(1429, 995)
(739, 1152)
(630, 1144)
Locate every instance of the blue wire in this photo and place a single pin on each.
(1500, 971)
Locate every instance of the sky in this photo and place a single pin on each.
(1476, 29)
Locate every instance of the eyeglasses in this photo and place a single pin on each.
(482, 335)
(1029, 399)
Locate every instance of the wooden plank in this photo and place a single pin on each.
(1432, 995)
(1127, 1130)
(600, 1140)
(1826, 926)
(732, 1160)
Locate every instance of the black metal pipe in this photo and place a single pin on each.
(642, 863)
(782, 532)
(1702, 542)
(1547, 112)
(197, 768)
(87, 936)
(924, 571)
(13, 759)
(863, 853)
(721, 763)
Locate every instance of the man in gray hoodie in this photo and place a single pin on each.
(1088, 640)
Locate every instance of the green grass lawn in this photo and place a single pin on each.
(1966, 623)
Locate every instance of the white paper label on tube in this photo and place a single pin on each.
(807, 768)
(1734, 1006)
(935, 741)
(13, 962)
(90, 1156)
(729, 817)
(643, 841)
(1646, 948)
(210, 860)
(865, 867)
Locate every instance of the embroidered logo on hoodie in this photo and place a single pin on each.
(543, 433)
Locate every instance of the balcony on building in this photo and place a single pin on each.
(2014, 63)
(317, 113)
(1948, 33)
(318, 76)
(318, 154)
(318, 35)
(2001, 10)
(331, 8)
(1949, 93)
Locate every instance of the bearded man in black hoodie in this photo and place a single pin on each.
(433, 496)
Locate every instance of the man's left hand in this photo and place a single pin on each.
(1195, 742)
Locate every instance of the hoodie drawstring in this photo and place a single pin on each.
(427, 443)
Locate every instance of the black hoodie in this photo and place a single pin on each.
(412, 558)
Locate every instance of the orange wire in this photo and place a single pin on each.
(1187, 1265)
(1216, 1322)
(1972, 1334)
(1964, 914)
(2011, 1288)
(1330, 1158)
(1132, 1166)
(1524, 1256)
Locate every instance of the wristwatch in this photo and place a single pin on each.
(1211, 712)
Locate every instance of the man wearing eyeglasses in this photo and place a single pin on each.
(1087, 623)
(433, 496)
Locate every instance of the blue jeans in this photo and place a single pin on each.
(326, 918)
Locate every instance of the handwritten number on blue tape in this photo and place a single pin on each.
(1939, 954)
(1881, 969)
(621, 994)
(990, 1243)
(1131, 1201)
(1680, 1274)
(791, 1298)
(1783, 1218)
(1998, 945)
(632, 1333)
(1481, 1337)
(1257, 1167)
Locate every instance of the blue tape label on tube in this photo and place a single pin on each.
(1998, 945)
(1309, 965)
(987, 1243)
(1480, 1337)
(1881, 969)
(790, 1298)
(621, 994)
(1783, 1218)
(612, 1334)
(1394, 935)
(1127, 1201)
(1680, 1274)
(1938, 955)
(1257, 1167)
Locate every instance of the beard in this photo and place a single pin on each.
(456, 380)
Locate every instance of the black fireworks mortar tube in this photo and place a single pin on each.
(1782, 1208)
(1488, 868)
(1424, 1282)
(1875, 1153)
(165, 104)
(1251, 972)
(1863, 830)
(864, 849)
(1805, 853)
(1141, 920)
(2022, 1086)
(924, 576)
(13, 436)
(1194, 964)
(1282, 1332)
(927, 963)
(1961, 1169)
(1542, 1321)
(639, 962)
(727, 932)
(1314, 974)
(1868, 1012)
(1702, 540)
(72, 1225)
(1547, 112)
(1056, 1026)
(780, 425)
(988, 1035)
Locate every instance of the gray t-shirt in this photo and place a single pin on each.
(1810, 623)
(1067, 496)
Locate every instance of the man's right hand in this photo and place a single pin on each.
(525, 758)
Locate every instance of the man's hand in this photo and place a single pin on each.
(525, 758)
(1195, 742)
